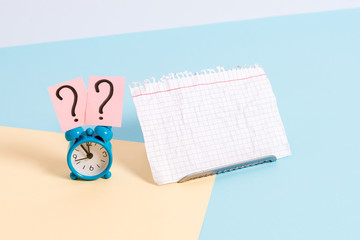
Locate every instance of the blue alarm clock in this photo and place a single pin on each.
(89, 156)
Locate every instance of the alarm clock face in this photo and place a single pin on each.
(90, 159)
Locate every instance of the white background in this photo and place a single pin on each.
(37, 21)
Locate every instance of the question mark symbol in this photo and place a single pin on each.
(75, 98)
(101, 108)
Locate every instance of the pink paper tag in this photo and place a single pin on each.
(105, 101)
(69, 100)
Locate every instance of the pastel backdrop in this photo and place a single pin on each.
(311, 61)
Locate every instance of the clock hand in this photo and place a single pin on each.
(81, 159)
(87, 153)
(88, 148)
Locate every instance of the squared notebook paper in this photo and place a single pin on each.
(195, 122)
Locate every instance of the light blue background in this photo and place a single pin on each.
(312, 62)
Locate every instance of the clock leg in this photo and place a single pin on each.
(107, 175)
(73, 176)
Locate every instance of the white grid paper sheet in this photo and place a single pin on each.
(196, 122)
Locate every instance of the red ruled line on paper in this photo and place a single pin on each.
(201, 84)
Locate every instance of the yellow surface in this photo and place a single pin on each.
(38, 200)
